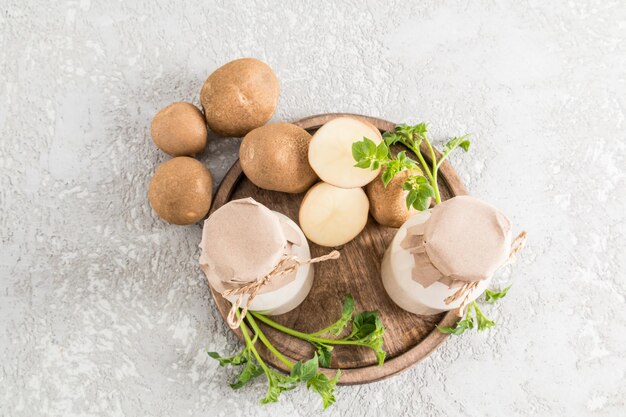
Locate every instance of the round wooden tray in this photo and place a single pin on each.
(408, 338)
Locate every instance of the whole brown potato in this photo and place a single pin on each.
(179, 129)
(239, 96)
(180, 190)
(275, 157)
(388, 204)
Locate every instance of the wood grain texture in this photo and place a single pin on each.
(408, 338)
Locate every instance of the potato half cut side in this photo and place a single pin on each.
(331, 216)
(330, 152)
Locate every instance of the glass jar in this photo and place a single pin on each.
(396, 271)
(291, 295)
(244, 243)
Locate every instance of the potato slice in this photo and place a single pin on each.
(332, 216)
(330, 152)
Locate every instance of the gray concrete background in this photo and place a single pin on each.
(103, 310)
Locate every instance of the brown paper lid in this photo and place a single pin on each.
(463, 240)
(242, 241)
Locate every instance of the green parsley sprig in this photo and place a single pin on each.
(300, 372)
(480, 320)
(366, 330)
(422, 185)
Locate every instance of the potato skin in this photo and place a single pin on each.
(239, 96)
(181, 190)
(179, 129)
(388, 204)
(275, 157)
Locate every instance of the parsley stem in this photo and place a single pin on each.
(436, 187)
(324, 330)
(267, 343)
(279, 326)
(250, 345)
(417, 153)
(305, 336)
(431, 174)
(433, 158)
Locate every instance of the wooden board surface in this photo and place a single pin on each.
(408, 338)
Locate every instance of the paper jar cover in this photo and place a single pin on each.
(242, 241)
(463, 240)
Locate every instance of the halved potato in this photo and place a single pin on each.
(331, 216)
(330, 152)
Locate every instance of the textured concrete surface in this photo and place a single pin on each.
(103, 310)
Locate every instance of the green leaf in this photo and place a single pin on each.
(420, 128)
(273, 392)
(346, 314)
(391, 138)
(367, 146)
(364, 150)
(277, 383)
(402, 128)
(357, 151)
(368, 329)
(363, 163)
(382, 151)
(411, 198)
(420, 192)
(493, 296)
(324, 387)
(392, 164)
(387, 176)
(370, 146)
(235, 360)
(461, 141)
(364, 323)
(324, 355)
(366, 153)
(425, 191)
(413, 134)
(304, 371)
(482, 321)
(250, 371)
(380, 353)
(466, 324)
(421, 203)
(446, 329)
(405, 130)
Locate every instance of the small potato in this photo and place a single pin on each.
(181, 190)
(275, 157)
(239, 96)
(388, 204)
(179, 130)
